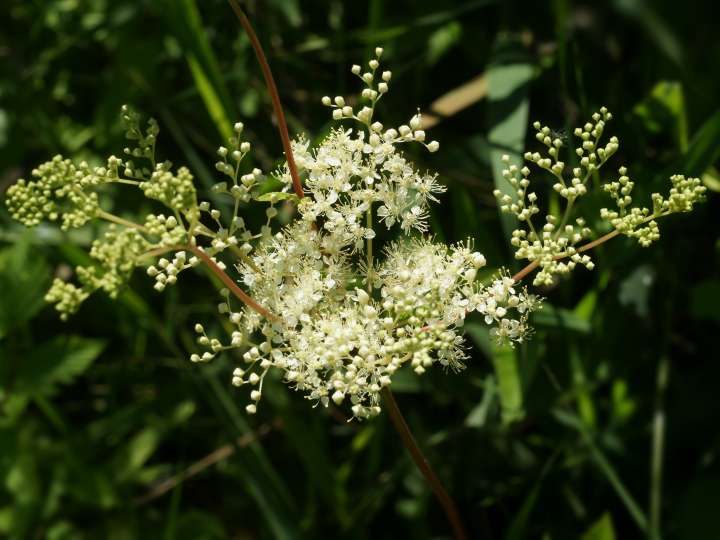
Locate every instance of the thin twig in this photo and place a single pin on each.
(209, 460)
(274, 95)
(230, 284)
(102, 214)
(585, 247)
(422, 463)
(220, 273)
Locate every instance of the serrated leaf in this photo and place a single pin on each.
(58, 361)
(23, 281)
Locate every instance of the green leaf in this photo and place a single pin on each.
(656, 28)
(559, 318)
(704, 149)
(509, 76)
(187, 26)
(442, 40)
(663, 110)
(136, 452)
(571, 420)
(58, 361)
(711, 179)
(477, 417)
(260, 478)
(506, 362)
(519, 525)
(210, 97)
(602, 529)
(585, 406)
(308, 437)
(24, 280)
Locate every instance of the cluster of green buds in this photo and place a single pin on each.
(554, 247)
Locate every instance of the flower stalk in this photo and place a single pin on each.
(396, 415)
(448, 505)
(274, 95)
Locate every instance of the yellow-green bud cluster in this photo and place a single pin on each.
(639, 222)
(66, 296)
(554, 247)
(145, 141)
(176, 191)
(60, 191)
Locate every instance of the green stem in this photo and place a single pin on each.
(656, 456)
(102, 214)
(565, 217)
(125, 181)
(612, 476)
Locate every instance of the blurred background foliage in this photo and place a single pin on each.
(606, 425)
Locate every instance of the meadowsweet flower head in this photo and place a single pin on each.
(315, 299)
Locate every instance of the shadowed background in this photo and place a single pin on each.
(108, 431)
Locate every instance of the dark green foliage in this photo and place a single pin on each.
(551, 440)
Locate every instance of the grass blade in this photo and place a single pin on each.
(509, 76)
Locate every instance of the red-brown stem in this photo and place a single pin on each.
(230, 284)
(274, 95)
(394, 411)
(585, 247)
(220, 273)
(422, 463)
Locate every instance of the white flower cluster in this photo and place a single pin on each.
(316, 304)
(553, 248)
(338, 342)
(346, 323)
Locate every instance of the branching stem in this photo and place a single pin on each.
(107, 216)
(394, 411)
(221, 274)
(585, 247)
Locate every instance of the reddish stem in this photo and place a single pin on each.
(274, 95)
(220, 273)
(422, 463)
(533, 265)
